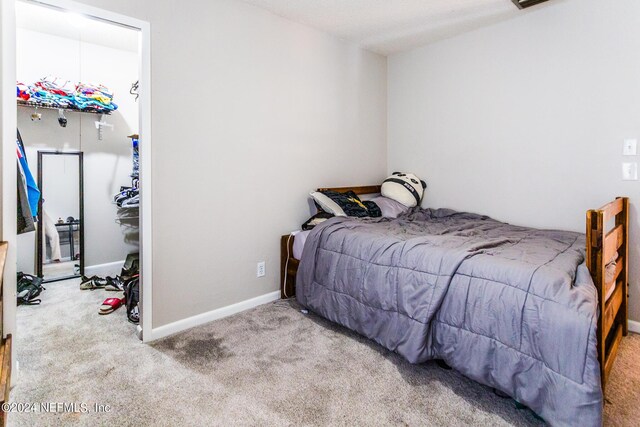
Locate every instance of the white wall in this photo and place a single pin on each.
(107, 163)
(249, 113)
(525, 120)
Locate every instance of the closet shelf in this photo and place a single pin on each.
(50, 107)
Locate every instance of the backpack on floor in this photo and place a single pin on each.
(28, 288)
(131, 265)
(132, 296)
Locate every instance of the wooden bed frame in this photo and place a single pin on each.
(604, 240)
(288, 264)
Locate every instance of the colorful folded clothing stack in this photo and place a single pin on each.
(83, 97)
(97, 98)
(49, 93)
(23, 92)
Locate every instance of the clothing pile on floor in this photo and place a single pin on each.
(127, 282)
(83, 97)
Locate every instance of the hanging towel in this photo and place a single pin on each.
(25, 219)
(33, 193)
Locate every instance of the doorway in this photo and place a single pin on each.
(74, 45)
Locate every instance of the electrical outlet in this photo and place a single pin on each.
(262, 269)
(630, 171)
(630, 147)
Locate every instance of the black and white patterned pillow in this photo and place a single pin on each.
(345, 204)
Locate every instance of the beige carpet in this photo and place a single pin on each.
(268, 366)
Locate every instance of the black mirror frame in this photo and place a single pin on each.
(40, 229)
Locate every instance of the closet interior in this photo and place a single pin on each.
(78, 160)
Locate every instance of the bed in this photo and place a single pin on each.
(511, 307)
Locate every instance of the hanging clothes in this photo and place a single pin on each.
(25, 219)
(33, 193)
(136, 157)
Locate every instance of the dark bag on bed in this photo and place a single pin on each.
(132, 296)
(28, 288)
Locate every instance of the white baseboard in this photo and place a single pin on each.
(104, 270)
(634, 326)
(201, 319)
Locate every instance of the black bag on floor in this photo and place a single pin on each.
(131, 265)
(28, 288)
(132, 296)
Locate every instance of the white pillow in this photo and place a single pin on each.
(327, 204)
(405, 188)
(389, 207)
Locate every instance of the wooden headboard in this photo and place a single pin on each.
(365, 189)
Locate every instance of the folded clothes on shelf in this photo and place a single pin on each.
(88, 97)
(83, 97)
(22, 92)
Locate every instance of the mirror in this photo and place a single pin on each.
(60, 237)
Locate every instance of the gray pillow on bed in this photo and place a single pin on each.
(389, 207)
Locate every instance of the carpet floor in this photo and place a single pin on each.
(271, 365)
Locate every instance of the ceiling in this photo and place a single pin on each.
(388, 26)
(34, 17)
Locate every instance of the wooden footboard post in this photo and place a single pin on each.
(623, 219)
(606, 246)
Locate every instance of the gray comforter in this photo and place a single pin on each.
(510, 307)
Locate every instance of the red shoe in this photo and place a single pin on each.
(110, 305)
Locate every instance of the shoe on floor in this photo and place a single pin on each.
(93, 282)
(114, 284)
(134, 316)
(87, 283)
(110, 305)
(100, 282)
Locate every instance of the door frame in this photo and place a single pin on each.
(8, 121)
